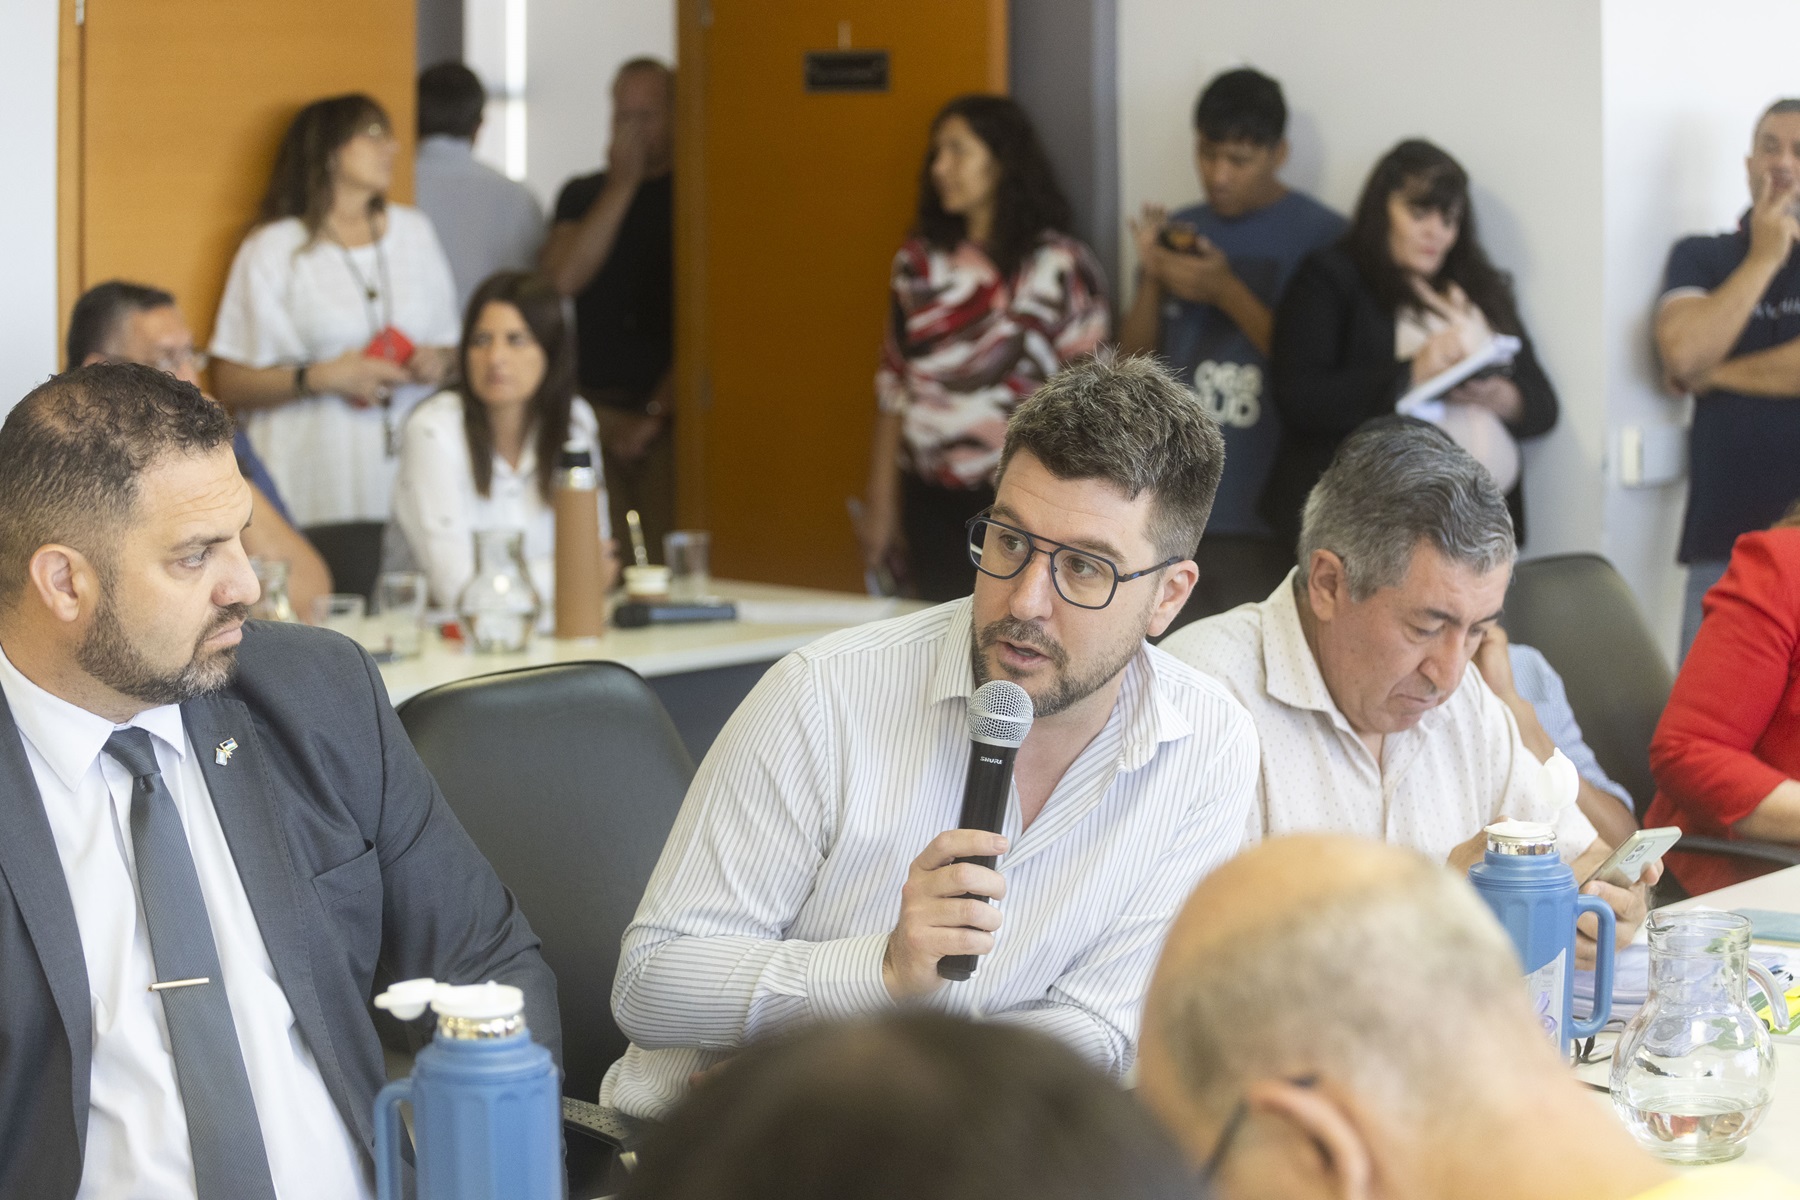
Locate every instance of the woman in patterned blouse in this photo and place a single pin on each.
(991, 295)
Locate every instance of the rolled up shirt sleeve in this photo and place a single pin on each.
(707, 962)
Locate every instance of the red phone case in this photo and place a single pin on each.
(392, 345)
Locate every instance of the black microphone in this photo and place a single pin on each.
(999, 719)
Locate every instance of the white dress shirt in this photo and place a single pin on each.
(486, 222)
(1461, 768)
(137, 1137)
(438, 510)
(288, 302)
(780, 882)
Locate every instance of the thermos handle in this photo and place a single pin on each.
(388, 1138)
(1604, 947)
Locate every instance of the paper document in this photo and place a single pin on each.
(1422, 401)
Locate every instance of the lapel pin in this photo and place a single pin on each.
(222, 755)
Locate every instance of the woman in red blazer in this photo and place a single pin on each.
(1726, 754)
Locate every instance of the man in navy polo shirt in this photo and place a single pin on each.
(1209, 279)
(1728, 330)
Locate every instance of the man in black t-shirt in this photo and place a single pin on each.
(611, 248)
(1728, 330)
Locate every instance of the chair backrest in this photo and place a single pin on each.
(352, 549)
(1577, 610)
(568, 777)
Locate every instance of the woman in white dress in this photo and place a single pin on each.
(338, 316)
(482, 455)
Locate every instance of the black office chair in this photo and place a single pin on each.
(352, 549)
(568, 777)
(1577, 610)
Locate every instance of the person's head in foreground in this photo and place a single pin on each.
(123, 582)
(910, 1107)
(1240, 141)
(1105, 484)
(1406, 549)
(1333, 1017)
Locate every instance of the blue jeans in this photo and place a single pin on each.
(1701, 576)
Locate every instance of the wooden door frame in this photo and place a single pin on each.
(71, 73)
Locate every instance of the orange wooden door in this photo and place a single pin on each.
(790, 207)
(170, 114)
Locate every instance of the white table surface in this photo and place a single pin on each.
(662, 649)
(1776, 1142)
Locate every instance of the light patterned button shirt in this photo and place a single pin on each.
(1438, 784)
(780, 882)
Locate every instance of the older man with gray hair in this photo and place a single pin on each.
(1355, 668)
(1402, 1059)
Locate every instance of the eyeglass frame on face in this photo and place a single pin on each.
(985, 516)
(1233, 1125)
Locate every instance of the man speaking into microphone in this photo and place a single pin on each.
(812, 872)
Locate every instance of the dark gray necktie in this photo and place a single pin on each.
(230, 1162)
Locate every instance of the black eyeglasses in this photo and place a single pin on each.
(1083, 578)
(1233, 1124)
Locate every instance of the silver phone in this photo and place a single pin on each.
(1625, 865)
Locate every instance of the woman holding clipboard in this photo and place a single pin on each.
(1404, 297)
(339, 315)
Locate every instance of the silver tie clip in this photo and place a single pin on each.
(180, 983)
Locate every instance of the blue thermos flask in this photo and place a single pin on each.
(1533, 892)
(486, 1100)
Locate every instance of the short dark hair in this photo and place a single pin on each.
(909, 1105)
(1242, 106)
(450, 101)
(644, 62)
(1126, 421)
(1781, 108)
(96, 317)
(1028, 202)
(72, 450)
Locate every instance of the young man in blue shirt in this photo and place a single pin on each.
(1728, 330)
(1208, 281)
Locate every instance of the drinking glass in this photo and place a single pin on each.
(272, 603)
(342, 611)
(686, 552)
(399, 613)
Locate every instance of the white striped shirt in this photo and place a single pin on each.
(780, 882)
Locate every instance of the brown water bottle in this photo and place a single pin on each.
(580, 561)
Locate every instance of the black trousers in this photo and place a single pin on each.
(933, 519)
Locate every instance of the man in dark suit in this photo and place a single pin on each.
(214, 836)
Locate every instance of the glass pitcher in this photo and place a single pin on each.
(273, 603)
(499, 607)
(1692, 1073)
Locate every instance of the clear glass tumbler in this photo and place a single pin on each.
(1692, 1072)
(272, 604)
(688, 553)
(399, 613)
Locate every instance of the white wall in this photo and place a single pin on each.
(1683, 85)
(571, 50)
(1512, 91)
(28, 333)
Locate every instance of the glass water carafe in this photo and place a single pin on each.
(499, 607)
(1692, 1073)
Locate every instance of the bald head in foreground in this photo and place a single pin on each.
(1335, 1017)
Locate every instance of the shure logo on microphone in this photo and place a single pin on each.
(996, 762)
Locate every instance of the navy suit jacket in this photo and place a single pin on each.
(354, 866)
